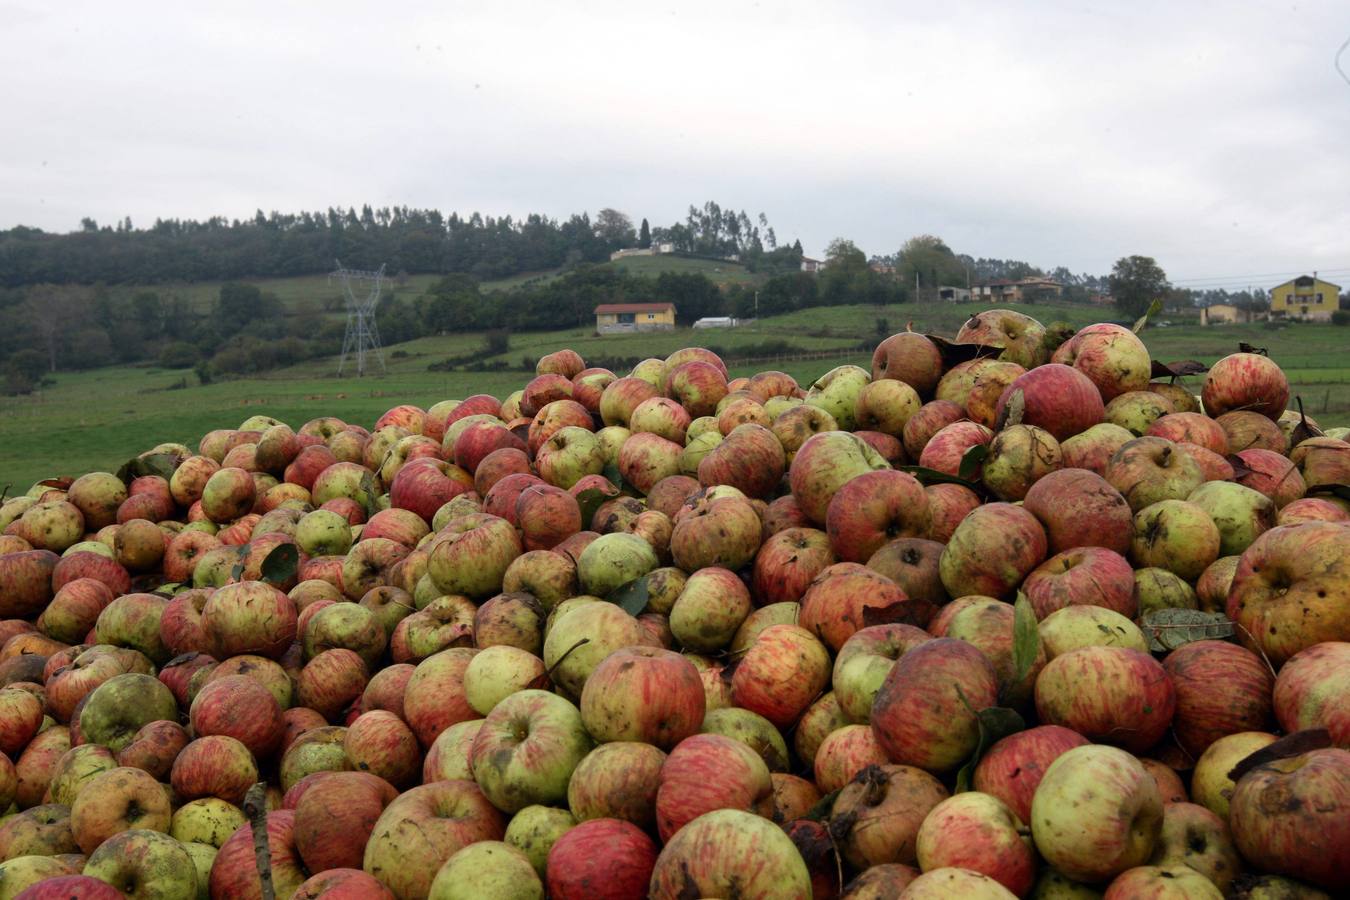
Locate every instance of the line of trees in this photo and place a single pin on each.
(279, 245)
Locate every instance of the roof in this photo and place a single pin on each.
(605, 309)
(1306, 281)
(1011, 282)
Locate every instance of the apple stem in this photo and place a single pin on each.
(255, 807)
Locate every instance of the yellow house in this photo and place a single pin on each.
(1305, 297)
(616, 318)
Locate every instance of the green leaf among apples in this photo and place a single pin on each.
(821, 811)
(929, 476)
(1153, 309)
(631, 597)
(1026, 638)
(972, 459)
(161, 464)
(995, 723)
(280, 565)
(589, 501)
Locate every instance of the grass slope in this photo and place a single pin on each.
(317, 289)
(98, 419)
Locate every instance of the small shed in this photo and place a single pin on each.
(617, 318)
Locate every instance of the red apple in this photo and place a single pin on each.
(992, 550)
(1109, 694)
(601, 859)
(1292, 816)
(1245, 381)
(918, 715)
(787, 563)
(643, 694)
(882, 809)
(978, 832)
(783, 671)
(1291, 589)
(707, 772)
(1080, 509)
(1060, 399)
(847, 597)
(1313, 691)
(1086, 575)
(873, 509)
(1203, 714)
(729, 852)
(908, 357)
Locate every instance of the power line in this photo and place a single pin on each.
(1243, 279)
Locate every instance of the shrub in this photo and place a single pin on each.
(178, 355)
(17, 382)
(1341, 317)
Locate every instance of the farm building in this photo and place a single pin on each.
(1305, 297)
(1223, 314)
(1023, 290)
(617, 318)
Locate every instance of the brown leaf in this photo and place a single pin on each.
(1240, 469)
(1296, 744)
(902, 613)
(954, 353)
(1177, 369)
(60, 483)
(541, 682)
(1304, 429)
(1244, 347)
(1013, 411)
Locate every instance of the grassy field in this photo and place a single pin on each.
(718, 271)
(98, 419)
(201, 295)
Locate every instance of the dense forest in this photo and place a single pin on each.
(279, 245)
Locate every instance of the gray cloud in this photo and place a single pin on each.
(1210, 136)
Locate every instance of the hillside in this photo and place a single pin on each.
(319, 290)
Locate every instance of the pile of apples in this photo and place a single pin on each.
(1002, 617)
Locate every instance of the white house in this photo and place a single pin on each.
(653, 250)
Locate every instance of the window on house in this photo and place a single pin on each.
(1319, 298)
(651, 316)
(626, 318)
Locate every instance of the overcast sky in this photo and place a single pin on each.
(1212, 136)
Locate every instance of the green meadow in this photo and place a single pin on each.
(98, 419)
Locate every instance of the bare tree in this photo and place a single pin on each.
(52, 310)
